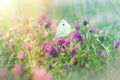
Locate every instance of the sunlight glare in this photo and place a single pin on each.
(5, 4)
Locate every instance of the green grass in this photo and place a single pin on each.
(104, 15)
(92, 11)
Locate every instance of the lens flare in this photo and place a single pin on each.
(5, 4)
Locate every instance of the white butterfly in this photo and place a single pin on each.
(63, 29)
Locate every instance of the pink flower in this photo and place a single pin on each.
(73, 52)
(116, 44)
(61, 44)
(101, 53)
(58, 49)
(41, 18)
(77, 37)
(21, 55)
(59, 41)
(76, 26)
(47, 23)
(28, 46)
(40, 73)
(49, 49)
(18, 70)
(84, 22)
(4, 73)
(67, 42)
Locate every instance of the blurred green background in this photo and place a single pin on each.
(99, 13)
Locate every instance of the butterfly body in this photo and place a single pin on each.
(63, 29)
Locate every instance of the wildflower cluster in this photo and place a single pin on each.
(31, 44)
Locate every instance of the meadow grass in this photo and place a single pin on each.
(29, 38)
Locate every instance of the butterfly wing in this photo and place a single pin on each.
(64, 29)
(68, 29)
(60, 29)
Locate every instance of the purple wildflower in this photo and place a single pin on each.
(21, 55)
(59, 41)
(63, 49)
(49, 49)
(66, 43)
(62, 43)
(85, 22)
(41, 18)
(73, 52)
(90, 29)
(58, 49)
(116, 44)
(47, 23)
(99, 52)
(76, 26)
(77, 37)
